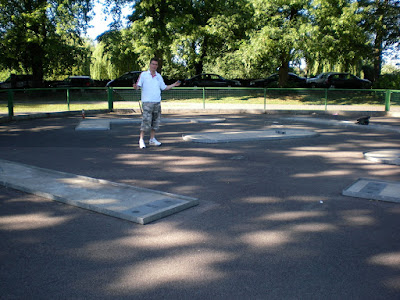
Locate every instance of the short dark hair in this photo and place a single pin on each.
(154, 59)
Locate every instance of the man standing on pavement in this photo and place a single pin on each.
(151, 84)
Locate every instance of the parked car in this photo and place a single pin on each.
(318, 81)
(75, 81)
(126, 80)
(273, 81)
(338, 80)
(17, 82)
(210, 80)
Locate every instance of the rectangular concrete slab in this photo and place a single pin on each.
(374, 189)
(123, 201)
(105, 124)
(93, 125)
(242, 136)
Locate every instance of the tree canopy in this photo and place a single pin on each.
(235, 38)
(43, 36)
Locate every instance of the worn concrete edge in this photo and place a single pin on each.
(143, 220)
(245, 139)
(103, 181)
(386, 161)
(389, 161)
(166, 212)
(368, 196)
(155, 215)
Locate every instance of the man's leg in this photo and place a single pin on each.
(152, 134)
(146, 123)
(155, 124)
(142, 144)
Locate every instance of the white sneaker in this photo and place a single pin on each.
(154, 142)
(142, 145)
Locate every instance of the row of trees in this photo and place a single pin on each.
(235, 38)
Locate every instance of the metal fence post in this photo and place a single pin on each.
(10, 104)
(204, 98)
(326, 99)
(265, 99)
(387, 100)
(110, 98)
(68, 99)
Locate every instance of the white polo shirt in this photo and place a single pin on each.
(151, 86)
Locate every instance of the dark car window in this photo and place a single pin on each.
(322, 75)
(128, 77)
(125, 80)
(275, 77)
(124, 77)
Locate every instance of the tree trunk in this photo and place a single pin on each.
(159, 55)
(377, 56)
(36, 57)
(203, 53)
(284, 70)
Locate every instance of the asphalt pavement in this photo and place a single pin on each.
(272, 221)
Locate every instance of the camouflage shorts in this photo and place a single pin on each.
(151, 116)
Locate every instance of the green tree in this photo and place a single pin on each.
(43, 36)
(211, 29)
(114, 54)
(152, 28)
(185, 34)
(281, 25)
(337, 42)
(382, 21)
(227, 31)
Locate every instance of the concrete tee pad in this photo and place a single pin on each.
(241, 136)
(391, 157)
(105, 124)
(122, 201)
(374, 189)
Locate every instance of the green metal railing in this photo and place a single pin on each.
(29, 101)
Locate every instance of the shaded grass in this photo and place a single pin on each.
(56, 100)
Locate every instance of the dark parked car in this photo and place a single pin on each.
(338, 80)
(17, 82)
(273, 81)
(126, 80)
(210, 80)
(75, 81)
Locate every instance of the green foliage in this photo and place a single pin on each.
(388, 81)
(381, 19)
(43, 37)
(234, 38)
(337, 42)
(281, 26)
(4, 74)
(114, 55)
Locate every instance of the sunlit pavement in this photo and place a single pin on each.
(271, 223)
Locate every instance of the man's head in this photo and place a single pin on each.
(153, 64)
